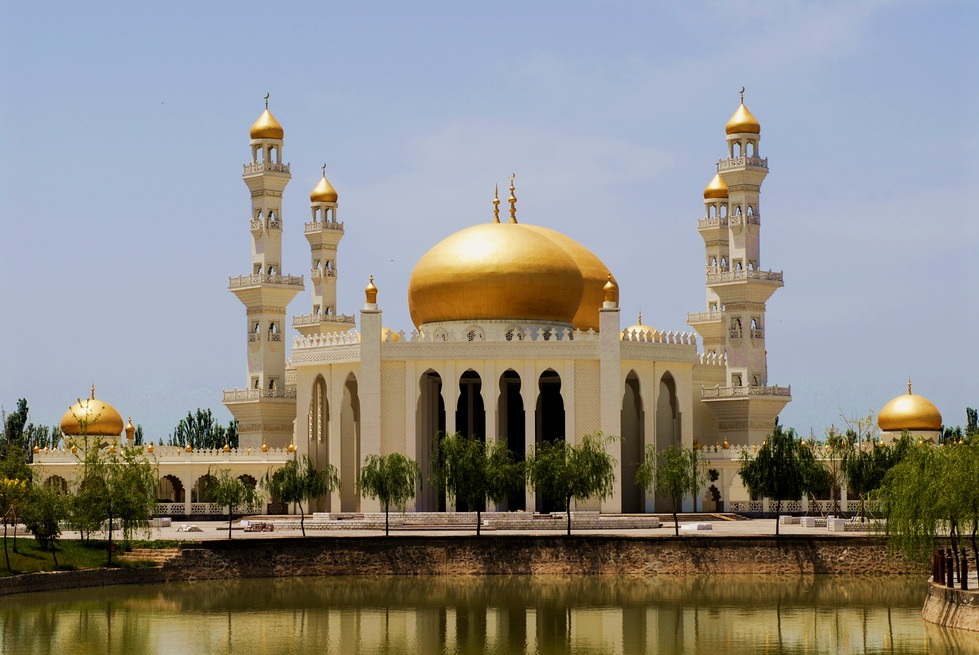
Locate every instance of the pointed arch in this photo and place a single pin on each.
(512, 428)
(549, 424)
(667, 428)
(470, 410)
(429, 421)
(633, 439)
(349, 445)
(319, 433)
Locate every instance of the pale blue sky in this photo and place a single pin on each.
(124, 126)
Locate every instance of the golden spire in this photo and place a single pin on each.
(909, 386)
(370, 291)
(496, 204)
(742, 95)
(130, 430)
(93, 391)
(513, 200)
(324, 170)
(611, 290)
(267, 94)
(640, 319)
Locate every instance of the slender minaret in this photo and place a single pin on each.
(323, 233)
(265, 410)
(737, 288)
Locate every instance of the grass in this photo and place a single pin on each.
(72, 555)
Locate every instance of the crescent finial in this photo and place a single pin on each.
(267, 94)
(742, 95)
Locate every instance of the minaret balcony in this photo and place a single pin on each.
(758, 333)
(704, 317)
(726, 277)
(260, 279)
(742, 162)
(316, 274)
(744, 219)
(322, 319)
(245, 395)
(720, 393)
(266, 167)
(318, 226)
(712, 222)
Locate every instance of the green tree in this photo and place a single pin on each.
(45, 509)
(14, 424)
(475, 472)
(298, 481)
(119, 486)
(229, 491)
(202, 432)
(391, 479)
(572, 472)
(782, 469)
(865, 466)
(13, 492)
(675, 471)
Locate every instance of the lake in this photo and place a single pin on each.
(428, 615)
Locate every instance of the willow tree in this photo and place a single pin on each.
(391, 479)
(866, 467)
(299, 481)
(230, 491)
(674, 471)
(573, 472)
(475, 472)
(783, 469)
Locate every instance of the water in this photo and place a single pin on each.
(716, 615)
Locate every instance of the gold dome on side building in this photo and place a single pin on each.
(93, 417)
(266, 127)
(909, 412)
(504, 271)
(742, 121)
(641, 329)
(324, 191)
(716, 189)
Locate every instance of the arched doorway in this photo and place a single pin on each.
(430, 420)
(171, 490)
(633, 438)
(667, 429)
(512, 429)
(549, 425)
(202, 488)
(349, 446)
(470, 412)
(58, 483)
(319, 435)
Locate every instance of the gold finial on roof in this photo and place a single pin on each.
(324, 170)
(611, 290)
(370, 291)
(742, 95)
(265, 447)
(513, 200)
(640, 319)
(267, 94)
(909, 386)
(93, 391)
(496, 204)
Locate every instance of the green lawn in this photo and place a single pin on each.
(71, 555)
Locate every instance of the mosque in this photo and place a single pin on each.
(517, 338)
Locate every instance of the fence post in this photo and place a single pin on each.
(964, 577)
(949, 570)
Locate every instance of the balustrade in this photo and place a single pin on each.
(757, 333)
(275, 336)
(254, 337)
(255, 394)
(313, 319)
(737, 276)
(735, 333)
(736, 162)
(694, 317)
(261, 278)
(275, 224)
(266, 167)
(316, 226)
(736, 392)
(711, 222)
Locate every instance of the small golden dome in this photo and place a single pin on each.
(266, 127)
(594, 274)
(370, 292)
(909, 412)
(92, 417)
(265, 447)
(291, 448)
(149, 448)
(742, 121)
(324, 191)
(504, 271)
(130, 430)
(611, 290)
(650, 332)
(227, 447)
(716, 189)
(387, 334)
(36, 450)
(74, 449)
(187, 448)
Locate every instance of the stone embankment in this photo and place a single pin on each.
(491, 555)
(952, 608)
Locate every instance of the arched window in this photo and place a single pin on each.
(737, 266)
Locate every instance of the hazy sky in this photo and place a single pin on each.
(124, 125)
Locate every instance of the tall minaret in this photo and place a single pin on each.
(265, 410)
(323, 233)
(737, 288)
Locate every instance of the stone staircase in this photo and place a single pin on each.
(159, 556)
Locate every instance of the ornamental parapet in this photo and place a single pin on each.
(257, 279)
(164, 454)
(266, 167)
(316, 226)
(738, 162)
(704, 317)
(711, 222)
(317, 319)
(745, 219)
(745, 391)
(722, 277)
(244, 395)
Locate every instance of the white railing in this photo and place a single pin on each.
(274, 224)
(261, 278)
(739, 392)
(254, 337)
(735, 162)
(265, 167)
(166, 509)
(275, 336)
(711, 221)
(696, 317)
(737, 276)
(713, 359)
(749, 219)
(313, 319)
(255, 394)
(757, 333)
(652, 336)
(316, 226)
(256, 224)
(734, 333)
(315, 273)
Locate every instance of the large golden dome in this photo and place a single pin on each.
(93, 417)
(266, 127)
(324, 192)
(504, 271)
(594, 273)
(742, 121)
(909, 412)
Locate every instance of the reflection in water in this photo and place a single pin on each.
(493, 615)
